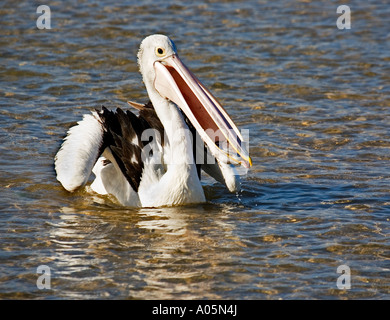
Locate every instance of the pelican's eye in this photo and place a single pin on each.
(160, 52)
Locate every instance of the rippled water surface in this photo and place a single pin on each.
(316, 100)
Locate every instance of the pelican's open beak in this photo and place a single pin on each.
(175, 82)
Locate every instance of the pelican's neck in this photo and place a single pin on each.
(176, 130)
(180, 183)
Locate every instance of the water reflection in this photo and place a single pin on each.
(155, 253)
(75, 262)
(182, 261)
(166, 220)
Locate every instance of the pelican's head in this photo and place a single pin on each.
(165, 74)
(153, 48)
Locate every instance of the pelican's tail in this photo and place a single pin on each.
(79, 152)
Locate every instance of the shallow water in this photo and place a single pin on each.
(315, 99)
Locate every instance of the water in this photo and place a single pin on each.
(315, 99)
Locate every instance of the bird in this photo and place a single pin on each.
(153, 157)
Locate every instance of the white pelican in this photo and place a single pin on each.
(148, 160)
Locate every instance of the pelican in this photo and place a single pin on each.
(150, 159)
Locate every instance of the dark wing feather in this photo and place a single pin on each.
(122, 134)
(148, 114)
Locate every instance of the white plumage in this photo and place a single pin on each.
(79, 152)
